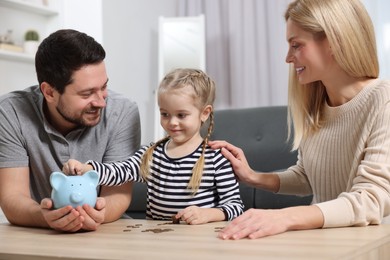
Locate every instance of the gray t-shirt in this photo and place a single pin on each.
(28, 140)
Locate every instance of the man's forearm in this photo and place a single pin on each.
(26, 212)
(118, 199)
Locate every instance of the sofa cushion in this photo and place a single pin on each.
(261, 132)
(137, 207)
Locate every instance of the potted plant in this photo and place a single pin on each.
(31, 41)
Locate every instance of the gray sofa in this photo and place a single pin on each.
(262, 133)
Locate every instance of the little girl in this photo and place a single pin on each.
(185, 178)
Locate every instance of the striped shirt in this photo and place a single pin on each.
(167, 191)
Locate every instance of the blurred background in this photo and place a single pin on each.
(240, 44)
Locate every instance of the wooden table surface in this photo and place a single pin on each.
(142, 239)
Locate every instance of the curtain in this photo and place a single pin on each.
(245, 50)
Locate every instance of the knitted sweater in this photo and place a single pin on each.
(346, 164)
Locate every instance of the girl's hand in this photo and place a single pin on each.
(195, 215)
(192, 215)
(74, 167)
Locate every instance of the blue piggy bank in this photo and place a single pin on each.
(74, 190)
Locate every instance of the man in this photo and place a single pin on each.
(70, 114)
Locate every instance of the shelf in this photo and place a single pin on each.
(29, 7)
(16, 56)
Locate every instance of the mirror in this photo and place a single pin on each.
(181, 45)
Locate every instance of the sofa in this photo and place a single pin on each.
(261, 132)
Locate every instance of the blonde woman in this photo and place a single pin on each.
(340, 112)
(185, 178)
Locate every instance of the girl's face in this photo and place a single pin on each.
(179, 115)
(312, 58)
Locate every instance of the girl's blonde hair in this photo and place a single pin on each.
(204, 94)
(348, 28)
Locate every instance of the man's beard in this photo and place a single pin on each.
(79, 121)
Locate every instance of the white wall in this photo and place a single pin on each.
(84, 16)
(128, 30)
(130, 36)
(17, 75)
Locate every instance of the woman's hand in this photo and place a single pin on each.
(74, 167)
(238, 160)
(256, 223)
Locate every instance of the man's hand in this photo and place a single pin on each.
(93, 217)
(65, 219)
(69, 219)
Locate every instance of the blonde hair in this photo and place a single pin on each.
(204, 95)
(348, 28)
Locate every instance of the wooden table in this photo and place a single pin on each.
(142, 239)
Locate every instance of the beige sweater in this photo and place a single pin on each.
(346, 165)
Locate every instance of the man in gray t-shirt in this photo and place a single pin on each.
(70, 114)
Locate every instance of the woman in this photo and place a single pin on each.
(340, 113)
